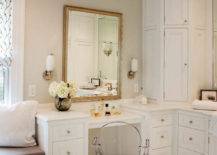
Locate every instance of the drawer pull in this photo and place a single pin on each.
(68, 131)
(191, 122)
(68, 152)
(162, 120)
(190, 138)
(162, 137)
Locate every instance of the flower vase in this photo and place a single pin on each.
(62, 104)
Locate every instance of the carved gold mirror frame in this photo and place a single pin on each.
(67, 10)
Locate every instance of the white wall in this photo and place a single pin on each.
(43, 34)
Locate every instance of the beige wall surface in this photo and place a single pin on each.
(43, 35)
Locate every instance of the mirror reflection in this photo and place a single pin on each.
(93, 50)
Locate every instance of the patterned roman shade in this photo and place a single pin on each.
(5, 33)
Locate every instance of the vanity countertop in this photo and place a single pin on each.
(81, 111)
(154, 107)
(48, 113)
(53, 115)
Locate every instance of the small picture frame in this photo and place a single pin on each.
(96, 82)
(210, 95)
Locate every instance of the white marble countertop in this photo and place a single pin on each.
(53, 115)
(153, 107)
(47, 112)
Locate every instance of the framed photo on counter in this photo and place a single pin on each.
(206, 94)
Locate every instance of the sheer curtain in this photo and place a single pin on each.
(5, 47)
(5, 33)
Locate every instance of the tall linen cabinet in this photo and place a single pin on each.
(174, 49)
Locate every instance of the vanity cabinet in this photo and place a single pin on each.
(70, 147)
(179, 133)
(162, 132)
(212, 145)
(63, 137)
(192, 134)
(212, 136)
(170, 49)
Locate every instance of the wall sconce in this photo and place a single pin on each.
(134, 68)
(50, 64)
(107, 48)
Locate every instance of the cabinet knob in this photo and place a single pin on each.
(191, 122)
(190, 138)
(68, 152)
(162, 120)
(68, 131)
(185, 21)
(162, 137)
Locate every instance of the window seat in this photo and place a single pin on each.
(22, 151)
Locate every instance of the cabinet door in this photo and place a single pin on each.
(163, 151)
(215, 14)
(212, 145)
(198, 13)
(150, 13)
(176, 12)
(187, 152)
(151, 63)
(176, 65)
(72, 147)
(215, 52)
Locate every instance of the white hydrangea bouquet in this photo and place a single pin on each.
(63, 93)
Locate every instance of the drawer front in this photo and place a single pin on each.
(164, 151)
(192, 139)
(72, 147)
(161, 137)
(68, 131)
(187, 152)
(162, 119)
(213, 145)
(194, 122)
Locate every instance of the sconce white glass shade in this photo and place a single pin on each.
(134, 65)
(50, 62)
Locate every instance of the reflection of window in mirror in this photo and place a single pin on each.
(93, 53)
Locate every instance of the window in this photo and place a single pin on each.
(4, 83)
(5, 47)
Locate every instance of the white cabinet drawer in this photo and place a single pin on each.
(72, 147)
(162, 119)
(68, 131)
(161, 137)
(163, 151)
(187, 152)
(192, 139)
(194, 122)
(213, 145)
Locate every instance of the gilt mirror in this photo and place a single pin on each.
(215, 41)
(92, 46)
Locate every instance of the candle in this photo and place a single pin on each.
(50, 62)
(134, 65)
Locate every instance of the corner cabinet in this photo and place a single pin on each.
(174, 45)
(176, 64)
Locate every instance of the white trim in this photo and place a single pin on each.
(17, 68)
